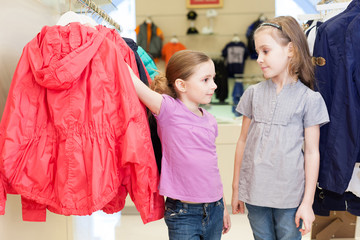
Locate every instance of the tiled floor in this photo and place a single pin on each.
(129, 226)
(132, 228)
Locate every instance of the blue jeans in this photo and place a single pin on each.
(187, 221)
(236, 94)
(273, 223)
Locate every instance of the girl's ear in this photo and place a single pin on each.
(291, 49)
(180, 85)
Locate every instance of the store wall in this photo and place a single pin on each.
(233, 18)
(20, 21)
(12, 227)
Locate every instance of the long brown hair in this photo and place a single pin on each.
(180, 66)
(300, 65)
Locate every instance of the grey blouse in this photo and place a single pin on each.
(272, 171)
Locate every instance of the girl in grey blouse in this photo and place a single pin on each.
(277, 154)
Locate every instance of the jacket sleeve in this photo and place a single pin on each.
(2, 185)
(128, 54)
(11, 129)
(2, 197)
(33, 211)
(137, 154)
(13, 135)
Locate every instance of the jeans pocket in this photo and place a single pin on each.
(220, 204)
(172, 213)
(172, 208)
(169, 213)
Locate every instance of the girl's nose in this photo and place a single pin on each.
(259, 59)
(214, 85)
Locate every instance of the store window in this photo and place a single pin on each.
(295, 8)
(98, 226)
(124, 14)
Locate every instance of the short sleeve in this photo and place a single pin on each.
(315, 111)
(213, 123)
(244, 106)
(166, 104)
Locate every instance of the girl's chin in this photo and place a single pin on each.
(266, 76)
(205, 102)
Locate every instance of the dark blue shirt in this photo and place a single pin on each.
(235, 54)
(338, 84)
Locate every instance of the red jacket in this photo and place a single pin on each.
(74, 136)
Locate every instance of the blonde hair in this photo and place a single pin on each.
(180, 66)
(289, 30)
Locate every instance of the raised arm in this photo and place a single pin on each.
(150, 98)
(238, 206)
(312, 161)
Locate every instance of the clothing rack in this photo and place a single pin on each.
(249, 78)
(305, 17)
(91, 5)
(332, 6)
(240, 75)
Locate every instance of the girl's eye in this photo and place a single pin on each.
(206, 79)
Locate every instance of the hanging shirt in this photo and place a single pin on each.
(235, 54)
(169, 49)
(150, 38)
(354, 184)
(352, 61)
(272, 170)
(310, 33)
(221, 79)
(335, 52)
(148, 62)
(250, 38)
(128, 55)
(144, 76)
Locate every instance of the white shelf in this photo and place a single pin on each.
(332, 6)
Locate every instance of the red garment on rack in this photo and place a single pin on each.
(120, 43)
(127, 52)
(74, 137)
(169, 49)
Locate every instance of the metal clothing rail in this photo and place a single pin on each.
(249, 78)
(332, 4)
(90, 4)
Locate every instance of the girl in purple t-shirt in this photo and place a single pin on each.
(190, 177)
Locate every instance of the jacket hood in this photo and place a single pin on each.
(131, 43)
(59, 54)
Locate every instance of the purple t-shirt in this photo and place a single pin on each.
(189, 168)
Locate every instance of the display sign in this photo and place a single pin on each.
(204, 3)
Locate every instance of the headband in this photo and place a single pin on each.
(272, 25)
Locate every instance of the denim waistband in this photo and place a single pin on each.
(192, 205)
